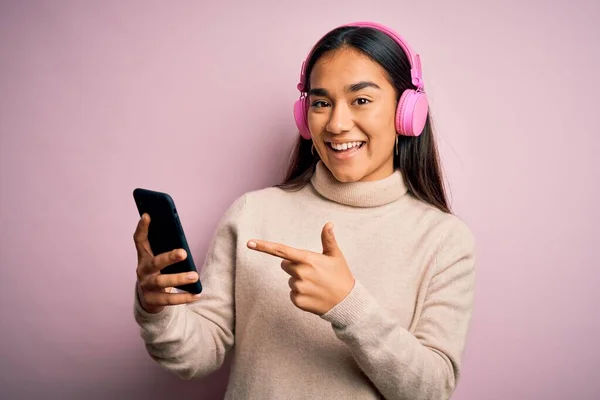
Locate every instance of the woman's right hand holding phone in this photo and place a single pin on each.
(154, 289)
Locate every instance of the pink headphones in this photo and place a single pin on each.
(411, 112)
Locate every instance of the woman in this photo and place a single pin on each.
(378, 306)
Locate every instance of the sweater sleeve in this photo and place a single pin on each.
(424, 364)
(192, 340)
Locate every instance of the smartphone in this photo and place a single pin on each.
(165, 232)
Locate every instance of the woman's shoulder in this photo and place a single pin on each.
(271, 196)
(267, 199)
(446, 225)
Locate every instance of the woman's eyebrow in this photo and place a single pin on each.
(355, 87)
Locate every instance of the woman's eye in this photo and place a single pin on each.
(319, 104)
(362, 101)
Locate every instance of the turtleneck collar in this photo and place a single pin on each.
(358, 194)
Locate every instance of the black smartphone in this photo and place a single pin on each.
(165, 232)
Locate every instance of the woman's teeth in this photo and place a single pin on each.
(345, 146)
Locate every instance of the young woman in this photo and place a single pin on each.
(350, 280)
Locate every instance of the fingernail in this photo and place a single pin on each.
(191, 276)
(252, 245)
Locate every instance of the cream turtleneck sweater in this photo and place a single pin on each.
(399, 334)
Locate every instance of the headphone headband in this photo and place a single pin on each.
(413, 58)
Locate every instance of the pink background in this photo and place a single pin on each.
(195, 98)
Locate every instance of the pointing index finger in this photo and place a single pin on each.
(278, 250)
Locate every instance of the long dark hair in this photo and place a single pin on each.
(417, 158)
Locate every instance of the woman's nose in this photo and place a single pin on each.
(340, 120)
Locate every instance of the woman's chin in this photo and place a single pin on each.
(347, 174)
(357, 172)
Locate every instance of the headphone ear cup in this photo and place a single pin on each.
(300, 118)
(411, 113)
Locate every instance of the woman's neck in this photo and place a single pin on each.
(358, 194)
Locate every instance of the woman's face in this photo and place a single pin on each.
(351, 113)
